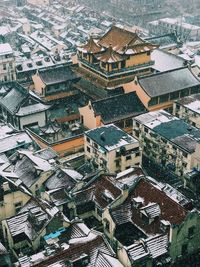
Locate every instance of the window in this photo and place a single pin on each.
(174, 95)
(4, 66)
(153, 101)
(128, 157)
(137, 154)
(95, 145)
(194, 90)
(164, 98)
(184, 92)
(137, 124)
(88, 139)
(115, 65)
(184, 249)
(191, 231)
(117, 163)
(18, 206)
(146, 130)
(185, 154)
(88, 149)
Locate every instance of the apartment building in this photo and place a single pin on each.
(7, 63)
(168, 141)
(111, 148)
(188, 109)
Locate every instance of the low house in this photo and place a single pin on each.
(24, 231)
(153, 222)
(79, 246)
(12, 140)
(20, 107)
(111, 148)
(118, 109)
(29, 169)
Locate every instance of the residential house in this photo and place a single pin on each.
(24, 231)
(79, 246)
(12, 140)
(152, 224)
(7, 63)
(168, 141)
(29, 169)
(188, 109)
(118, 109)
(21, 108)
(111, 148)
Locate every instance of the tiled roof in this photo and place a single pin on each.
(154, 247)
(110, 56)
(2, 249)
(90, 47)
(105, 191)
(170, 210)
(164, 40)
(123, 40)
(57, 74)
(102, 191)
(110, 137)
(118, 107)
(91, 247)
(59, 179)
(14, 141)
(14, 98)
(168, 82)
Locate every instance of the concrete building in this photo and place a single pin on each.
(7, 63)
(111, 148)
(168, 141)
(184, 31)
(188, 109)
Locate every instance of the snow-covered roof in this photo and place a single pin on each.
(5, 49)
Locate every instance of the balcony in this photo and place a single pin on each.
(117, 72)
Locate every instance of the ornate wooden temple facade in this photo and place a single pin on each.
(118, 55)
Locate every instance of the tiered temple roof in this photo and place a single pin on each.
(116, 45)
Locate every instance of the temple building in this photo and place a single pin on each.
(116, 57)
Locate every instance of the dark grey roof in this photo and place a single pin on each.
(165, 61)
(46, 153)
(25, 169)
(163, 40)
(180, 133)
(15, 96)
(118, 107)
(56, 75)
(168, 82)
(60, 179)
(110, 137)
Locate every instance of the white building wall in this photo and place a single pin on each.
(39, 118)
